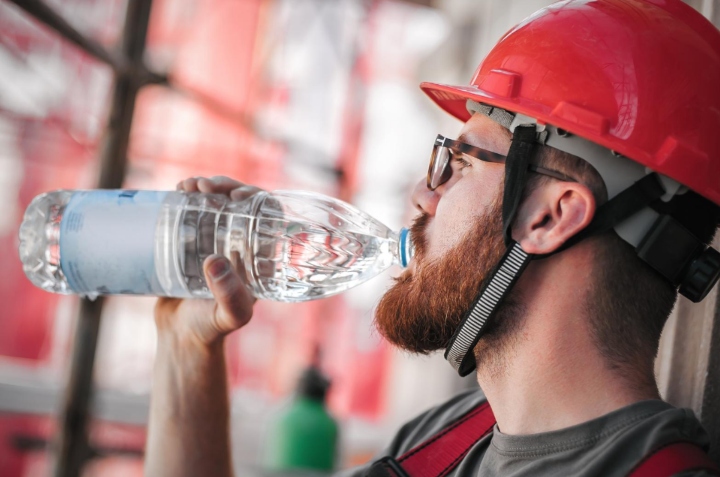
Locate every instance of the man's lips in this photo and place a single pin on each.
(407, 272)
(411, 266)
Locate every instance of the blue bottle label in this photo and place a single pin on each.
(107, 242)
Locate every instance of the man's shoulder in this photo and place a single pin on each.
(424, 426)
(610, 445)
(670, 425)
(434, 420)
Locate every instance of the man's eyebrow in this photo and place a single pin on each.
(464, 139)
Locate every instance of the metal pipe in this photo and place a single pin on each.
(72, 441)
(45, 14)
(120, 64)
(71, 445)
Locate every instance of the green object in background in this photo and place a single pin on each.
(305, 434)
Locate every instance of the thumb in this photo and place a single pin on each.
(233, 297)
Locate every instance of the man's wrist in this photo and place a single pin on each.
(188, 323)
(189, 342)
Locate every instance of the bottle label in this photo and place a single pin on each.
(107, 241)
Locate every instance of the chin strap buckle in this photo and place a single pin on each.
(676, 254)
(702, 275)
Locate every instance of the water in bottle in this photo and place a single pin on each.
(290, 245)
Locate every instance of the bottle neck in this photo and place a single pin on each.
(405, 248)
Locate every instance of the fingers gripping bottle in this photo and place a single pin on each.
(291, 245)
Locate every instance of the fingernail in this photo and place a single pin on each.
(219, 268)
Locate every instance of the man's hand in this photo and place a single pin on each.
(204, 322)
(189, 430)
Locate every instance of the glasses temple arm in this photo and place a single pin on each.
(550, 173)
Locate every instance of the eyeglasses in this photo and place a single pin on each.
(444, 149)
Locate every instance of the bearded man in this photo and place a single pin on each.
(552, 239)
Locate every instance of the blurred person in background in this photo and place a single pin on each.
(552, 240)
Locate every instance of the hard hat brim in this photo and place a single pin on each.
(584, 123)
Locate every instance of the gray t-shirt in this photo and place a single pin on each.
(609, 446)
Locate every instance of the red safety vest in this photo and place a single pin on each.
(439, 455)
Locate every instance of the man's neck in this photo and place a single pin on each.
(553, 375)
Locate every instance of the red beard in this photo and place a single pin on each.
(422, 310)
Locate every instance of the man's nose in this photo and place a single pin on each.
(424, 199)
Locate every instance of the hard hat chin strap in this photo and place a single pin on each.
(459, 352)
(521, 152)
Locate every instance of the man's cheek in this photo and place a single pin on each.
(435, 239)
(448, 231)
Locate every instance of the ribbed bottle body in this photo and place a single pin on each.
(291, 245)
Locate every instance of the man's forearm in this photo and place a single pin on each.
(189, 429)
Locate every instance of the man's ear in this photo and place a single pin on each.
(552, 214)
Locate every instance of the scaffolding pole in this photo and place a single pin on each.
(73, 448)
(72, 443)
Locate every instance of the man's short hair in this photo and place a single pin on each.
(631, 301)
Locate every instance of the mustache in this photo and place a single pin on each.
(418, 235)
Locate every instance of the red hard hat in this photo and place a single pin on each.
(639, 77)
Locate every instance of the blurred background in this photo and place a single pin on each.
(304, 94)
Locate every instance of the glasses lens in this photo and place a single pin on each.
(440, 171)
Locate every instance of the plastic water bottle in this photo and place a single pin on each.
(291, 245)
